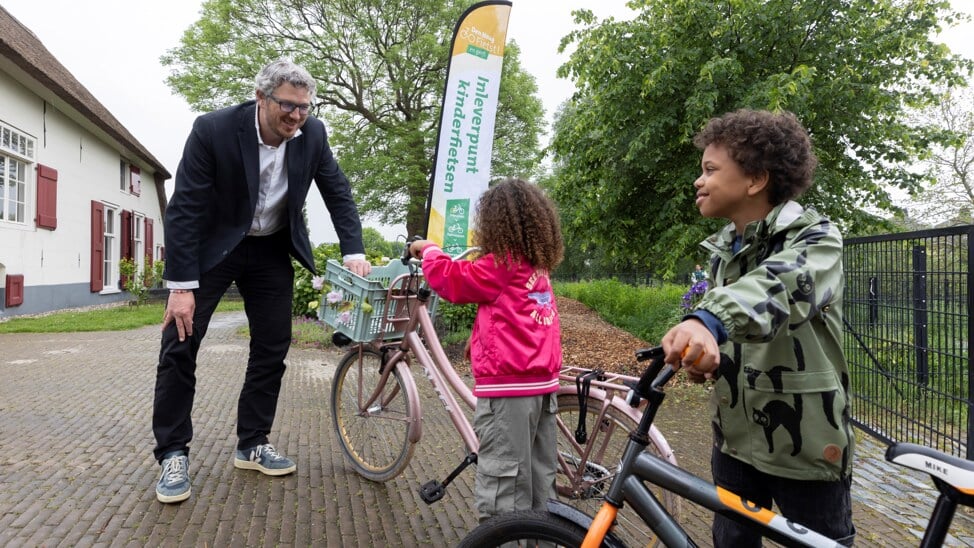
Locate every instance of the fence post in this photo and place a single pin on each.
(920, 313)
(873, 300)
(970, 337)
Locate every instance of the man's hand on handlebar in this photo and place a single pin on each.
(690, 346)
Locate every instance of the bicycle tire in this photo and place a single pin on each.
(375, 441)
(599, 470)
(525, 528)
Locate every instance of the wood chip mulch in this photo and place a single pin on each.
(587, 341)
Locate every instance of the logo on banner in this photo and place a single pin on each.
(457, 223)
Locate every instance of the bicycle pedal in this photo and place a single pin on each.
(431, 491)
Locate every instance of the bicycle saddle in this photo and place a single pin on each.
(954, 471)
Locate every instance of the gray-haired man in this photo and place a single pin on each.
(236, 217)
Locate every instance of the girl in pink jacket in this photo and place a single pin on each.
(515, 344)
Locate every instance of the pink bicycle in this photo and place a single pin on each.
(377, 412)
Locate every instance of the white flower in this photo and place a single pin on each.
(345, 317)
(334, 297)
(318, 282)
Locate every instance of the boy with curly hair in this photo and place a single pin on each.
(780, 404)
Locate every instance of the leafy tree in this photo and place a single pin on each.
(380, 67)
(623, 154)
(950, 196)
(376, 246)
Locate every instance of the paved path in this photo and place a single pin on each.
(76, 467)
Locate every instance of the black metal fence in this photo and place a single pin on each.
(908, 330)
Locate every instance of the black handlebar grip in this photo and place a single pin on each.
(405, 251)
(644, 386)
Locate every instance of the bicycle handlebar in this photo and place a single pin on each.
(646, 381)
(658, 374)
(407, 258)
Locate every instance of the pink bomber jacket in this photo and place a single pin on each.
(515, 345)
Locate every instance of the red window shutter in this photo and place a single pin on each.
(149, 241)
(135, 180)
(127, 246)
(14, 292)
(46, 197)
(127, 233)
(97, 246)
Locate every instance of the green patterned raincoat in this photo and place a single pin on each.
(783, 404)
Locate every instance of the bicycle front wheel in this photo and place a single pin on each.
(527, 528)
(587, 469)
(373, 432)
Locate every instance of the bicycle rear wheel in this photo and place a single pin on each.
(528, 528)
(586, 470)
(374, 438)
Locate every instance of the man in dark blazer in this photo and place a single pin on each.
(236, 216)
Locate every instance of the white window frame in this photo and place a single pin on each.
(112, 247)
(16, 148)
(123, 175)
(138, 241)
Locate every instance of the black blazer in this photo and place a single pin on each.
(217, 187)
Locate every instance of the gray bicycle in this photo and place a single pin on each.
(563, 525)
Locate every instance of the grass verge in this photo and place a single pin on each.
(119, 318)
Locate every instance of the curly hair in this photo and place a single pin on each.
(761, 141)
(516, 221)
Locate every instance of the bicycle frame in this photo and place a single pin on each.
(645, 467)
(638, 467)
(953, 477)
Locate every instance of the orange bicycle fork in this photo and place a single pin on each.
(600, 526)
(638, 441)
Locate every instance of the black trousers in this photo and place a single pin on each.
(825, 506)
(261, 268)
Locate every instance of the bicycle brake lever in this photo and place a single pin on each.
(644, 354)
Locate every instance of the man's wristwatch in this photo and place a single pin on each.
(180, 290)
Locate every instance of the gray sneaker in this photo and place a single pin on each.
(264, 458)
(174, 485)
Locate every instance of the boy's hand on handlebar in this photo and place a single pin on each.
(416, 248)
(690, 346)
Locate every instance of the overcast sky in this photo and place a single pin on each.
(113, 47)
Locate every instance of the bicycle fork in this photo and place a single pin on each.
(433, 490)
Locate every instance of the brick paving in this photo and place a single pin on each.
(76, 467)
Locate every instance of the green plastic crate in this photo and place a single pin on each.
(361, 324)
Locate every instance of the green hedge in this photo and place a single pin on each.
(646, 312)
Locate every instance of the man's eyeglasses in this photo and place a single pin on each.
(288, 107)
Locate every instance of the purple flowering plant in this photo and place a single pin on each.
(694, 294)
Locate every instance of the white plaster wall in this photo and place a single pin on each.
(88, 169)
